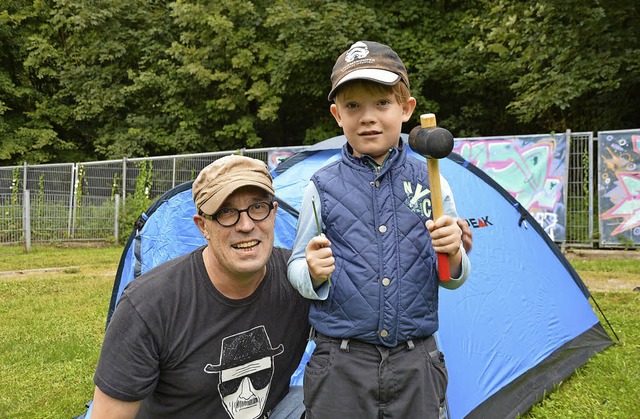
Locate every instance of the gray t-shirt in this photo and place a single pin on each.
(187, 351)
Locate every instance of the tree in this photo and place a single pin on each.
(85, 80)
(569, 64)
(22, 133)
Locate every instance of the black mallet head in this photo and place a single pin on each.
(432, 142)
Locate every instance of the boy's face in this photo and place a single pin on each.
(371, 119)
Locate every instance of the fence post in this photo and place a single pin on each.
(24, 176)
(74, 177)
(124, 182)
(567, 188)
(116, 227)
(26, 219)
(173, 177)
(592, 190)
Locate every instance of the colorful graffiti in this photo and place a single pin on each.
(278, 156)
(619, 187)
(530, 168)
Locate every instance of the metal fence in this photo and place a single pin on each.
(82, 201)
(579, 191)
(11, 225)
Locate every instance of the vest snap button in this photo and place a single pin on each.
(386, 282)
(382, 229)
(384, 333)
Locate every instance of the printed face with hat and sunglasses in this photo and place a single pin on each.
(245, 372)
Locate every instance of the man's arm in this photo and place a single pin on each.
(128, 346)
(106, 407)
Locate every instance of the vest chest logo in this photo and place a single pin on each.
(418, 199)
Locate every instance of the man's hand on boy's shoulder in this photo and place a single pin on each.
(467, 234)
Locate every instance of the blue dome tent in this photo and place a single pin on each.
(520, 325)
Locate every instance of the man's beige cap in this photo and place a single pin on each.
(224, 176)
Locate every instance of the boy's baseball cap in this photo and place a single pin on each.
(224, 176)
(370, 61)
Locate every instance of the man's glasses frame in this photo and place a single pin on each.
(229, 214)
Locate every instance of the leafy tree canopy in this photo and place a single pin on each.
(83, 80)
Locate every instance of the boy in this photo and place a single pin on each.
(372, 274)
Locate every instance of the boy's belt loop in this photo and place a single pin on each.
(344, 345)
(410, 344)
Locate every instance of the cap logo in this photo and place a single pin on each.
(357, 51)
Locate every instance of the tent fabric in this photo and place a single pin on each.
(170, 233)
(521, 324)
(518, 396)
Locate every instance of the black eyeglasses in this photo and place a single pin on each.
(228, 217)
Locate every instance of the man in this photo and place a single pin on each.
(215, 333)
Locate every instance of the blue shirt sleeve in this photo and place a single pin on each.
(298, 270)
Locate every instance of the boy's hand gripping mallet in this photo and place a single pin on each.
(433, 143)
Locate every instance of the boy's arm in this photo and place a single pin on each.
(448, 203)
(460, 260)
(465, 269)
(298, 269)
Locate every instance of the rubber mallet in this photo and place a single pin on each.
(433, 143)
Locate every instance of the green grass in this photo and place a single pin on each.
(52, 325)
(62, 255)
(51, 329)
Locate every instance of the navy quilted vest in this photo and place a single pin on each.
(385, 287)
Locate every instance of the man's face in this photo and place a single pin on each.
(243, 249)
(371, 119)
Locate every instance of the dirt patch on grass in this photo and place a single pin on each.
(607, 282)
(590, 254)
(27, 273)
(595, 282)
(37, 271)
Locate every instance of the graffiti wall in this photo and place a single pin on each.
(619, 187)
(275, 157)
(530, 168)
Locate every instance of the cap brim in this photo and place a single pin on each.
(213, 204)
(374, 74)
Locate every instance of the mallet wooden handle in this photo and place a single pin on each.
(444, 272)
